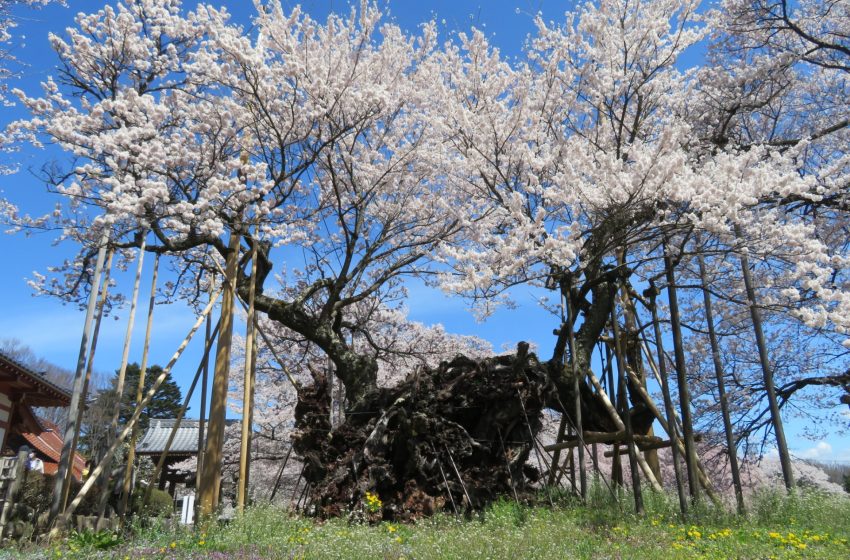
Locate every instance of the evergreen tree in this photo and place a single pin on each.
(166, 402)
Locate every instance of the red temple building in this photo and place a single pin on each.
(21, 390)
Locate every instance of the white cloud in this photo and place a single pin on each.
(821, 450)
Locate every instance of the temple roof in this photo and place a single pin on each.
(33, 387)
(48, 442)
(185, 441)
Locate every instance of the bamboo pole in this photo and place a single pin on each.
(721, 389)
(631, 322)
(128, 336)
(101, 305)
(767, 372)
(125, 359)
(681, 378)
(624, 404)
(122, 370)
(211, 475)
(460, 478)
(292, 504)
(247, 393)
(670, 428)
(570, 319)
(612, 412)
(74, 408)
(680, 446)
(616, 464)
(131, 452)
(137, 413)
(160, 464)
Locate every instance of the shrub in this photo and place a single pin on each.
(160, 503)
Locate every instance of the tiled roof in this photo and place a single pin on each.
(155, 438)
(53, 394)
(49, 443)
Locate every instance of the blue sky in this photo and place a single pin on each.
(53, 330)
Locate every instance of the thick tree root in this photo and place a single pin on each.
(457, 437)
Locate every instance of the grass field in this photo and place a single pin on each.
(801, 526)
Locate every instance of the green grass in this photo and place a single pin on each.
(778, 526)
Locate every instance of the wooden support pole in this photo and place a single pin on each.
(295, 489)
(74, 408)
(137, 413)
(460, 478)
(248, 388)
(670, 418)
(101, 305)
(624, 403)
(634, 361)
(670, 424)
(579, 426)
(616, 466)
(657, 445)
(767, 372)
(265, 337)
(681, 378)
(126, 488)
(446, 482)
(556, 458)
(680, 446)
(211, 475)
(731, 446)
(254, 352)
(280, 474)
(606, 403)
(203, 411)
(606, 438)
(160, 464)
(602, 437)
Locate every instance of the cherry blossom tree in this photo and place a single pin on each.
(353, 155)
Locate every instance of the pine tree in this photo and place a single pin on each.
(166, 402)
